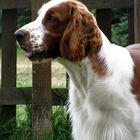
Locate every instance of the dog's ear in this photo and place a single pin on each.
(81, 34)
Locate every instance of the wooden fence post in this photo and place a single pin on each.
(103, 17)
(9, 18)
(130, 26)
(137, 20)
(41, 102)
(41, 94)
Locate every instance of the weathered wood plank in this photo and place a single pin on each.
(137, 20)
(41, 101)
(13, 96)
(130, 26)
(106, 4)
(13, 4)
(97, 4)
(8, 62)
(59, 96)
(9, 18)
(103, 17)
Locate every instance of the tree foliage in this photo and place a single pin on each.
(119, 27)
(24, 17)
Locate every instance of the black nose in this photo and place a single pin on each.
(19, 35)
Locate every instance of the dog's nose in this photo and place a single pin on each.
(19, 35)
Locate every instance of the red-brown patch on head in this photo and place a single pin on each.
(81, 35)
(67, 30)
(74, 29)
(55, 22)
(73, 34)
(56, 19)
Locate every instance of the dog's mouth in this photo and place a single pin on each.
(28, 54)
(40, 52)
(35, 54)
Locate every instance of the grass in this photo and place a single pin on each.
(23, 131)
(61, 127)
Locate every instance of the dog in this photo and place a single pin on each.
(104, 85)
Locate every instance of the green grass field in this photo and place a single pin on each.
(23, 131)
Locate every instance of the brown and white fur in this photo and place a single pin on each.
(104, 77)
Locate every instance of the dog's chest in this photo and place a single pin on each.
(96, 116)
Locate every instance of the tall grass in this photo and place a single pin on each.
(60, 123)
(23, 131)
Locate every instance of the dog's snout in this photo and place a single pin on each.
(19, 35)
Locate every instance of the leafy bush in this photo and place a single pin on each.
(119, 26)
(61, 126)
(24, 16)
(120, 32)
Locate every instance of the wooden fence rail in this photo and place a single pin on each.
(96, 4)
(13, 96)
(41, 96)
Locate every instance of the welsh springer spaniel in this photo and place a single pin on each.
(104, 77)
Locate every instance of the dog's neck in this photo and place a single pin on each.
(82, 73)
(84, 77)
(78, 71)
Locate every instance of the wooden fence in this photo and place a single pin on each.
(41, 96)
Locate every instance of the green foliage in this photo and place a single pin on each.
(120, 32)
(23, 17)
(23, 131)
(61, 127)
(24, 79)
(6, 128)
(117, 14)
(119, 27)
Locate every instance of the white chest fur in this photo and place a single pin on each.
(103, 108)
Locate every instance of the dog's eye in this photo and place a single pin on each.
(52, 19)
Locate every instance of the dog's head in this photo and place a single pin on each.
(63, 28)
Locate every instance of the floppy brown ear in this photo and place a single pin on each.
(80, 36)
